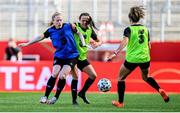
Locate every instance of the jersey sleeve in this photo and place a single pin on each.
(93, 35)
(127, 32)
(46, 33)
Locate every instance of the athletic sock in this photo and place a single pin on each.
(153, 83)
(74, 89)
(60, 86)
(121, 90)
(86, 86)
(50, 86)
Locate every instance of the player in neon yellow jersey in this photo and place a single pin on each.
(87, 28)
(137, 39)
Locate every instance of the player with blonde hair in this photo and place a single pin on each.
(66, 54)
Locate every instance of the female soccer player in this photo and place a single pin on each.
(137, 39)
(66, 54)
(86, 27)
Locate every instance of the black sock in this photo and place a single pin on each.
(87, 84)
(74, 89)
(60, 86)
(50, 86)
(121, 90)
(153, 83)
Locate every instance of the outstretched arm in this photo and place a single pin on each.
(96, 43)
(120, 48)
(37, 39)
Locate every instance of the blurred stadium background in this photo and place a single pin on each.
(25, 19)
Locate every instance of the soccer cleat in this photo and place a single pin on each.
(43, 100)
(82, 96)
(117, 104)
(75, 103)
(52, 100)
(164, 95)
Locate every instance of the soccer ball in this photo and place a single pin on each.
(104, 85)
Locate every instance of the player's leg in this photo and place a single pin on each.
(50, 83)
(74, 84)
(151, 81)
(61, 83)
(125, 70)
(89, 70)
(67, 66)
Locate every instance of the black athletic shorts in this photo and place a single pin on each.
(82, 64)
(62, 62)
(132, 66)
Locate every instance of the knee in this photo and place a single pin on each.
(63, 74)
(75, 77)
(145, 75)
(92, 76)
(121, 78)
(55, 75)
(144, 78)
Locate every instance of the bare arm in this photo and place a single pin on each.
(119, 49)
(37, 39)
(149, 44)
(96, 43)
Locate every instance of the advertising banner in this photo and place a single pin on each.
(33, 76)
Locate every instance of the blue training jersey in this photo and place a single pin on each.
(63, 41)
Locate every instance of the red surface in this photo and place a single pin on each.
(27, 76)
(168, 51)
(44, 49)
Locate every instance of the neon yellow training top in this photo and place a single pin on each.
(138, 47)
(87, 36)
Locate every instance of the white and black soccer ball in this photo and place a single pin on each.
(104, 85)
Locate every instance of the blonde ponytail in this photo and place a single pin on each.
(52, 18)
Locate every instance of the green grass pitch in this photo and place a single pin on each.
(29, 102)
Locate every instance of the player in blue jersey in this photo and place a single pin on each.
(87, 27)
(66, 54)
